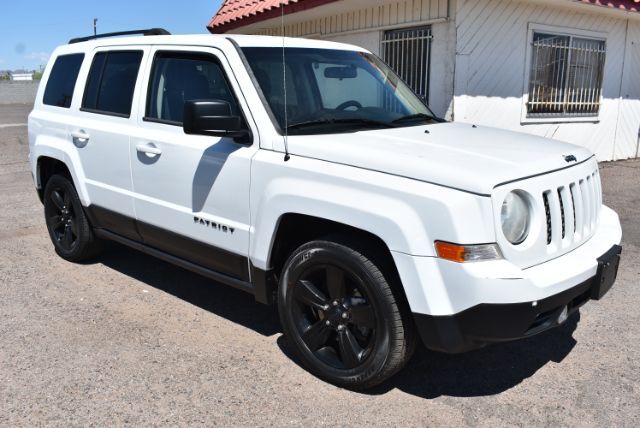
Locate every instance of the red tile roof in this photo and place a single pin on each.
(237, 13)
(630, 5)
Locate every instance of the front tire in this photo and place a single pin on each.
(341, 315)
(69, 228)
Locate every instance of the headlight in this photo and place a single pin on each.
(515, 217)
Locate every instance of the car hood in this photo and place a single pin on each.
(462, 156)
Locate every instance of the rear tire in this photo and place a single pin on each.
(69, 228)
(340, 314)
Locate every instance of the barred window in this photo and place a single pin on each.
(407, 52)
(566, 76)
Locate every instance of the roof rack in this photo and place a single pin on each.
(147, 32)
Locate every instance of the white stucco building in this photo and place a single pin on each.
(565, 69)
(20, 76)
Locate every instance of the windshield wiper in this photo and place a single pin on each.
(354, 121)
(415, 117)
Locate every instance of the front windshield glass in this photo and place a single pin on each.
(333, 91)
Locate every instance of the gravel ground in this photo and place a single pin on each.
(132, 340)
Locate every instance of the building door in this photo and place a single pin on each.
(408, 52)
(628, 129)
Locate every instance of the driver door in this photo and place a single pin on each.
(191, 192)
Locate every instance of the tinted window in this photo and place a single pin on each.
(62, 80)
(111, 82)
(178, 78)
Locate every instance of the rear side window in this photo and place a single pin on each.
(62, 80)
(111, 82)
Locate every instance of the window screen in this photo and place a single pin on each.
(111, 82)
(62, 80)
(177, 78)
(566, 76)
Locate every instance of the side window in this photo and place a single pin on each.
(111, 82)
(62, 80)
(178, 77)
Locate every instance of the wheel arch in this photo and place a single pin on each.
(48, 159)
(294, 229)
(46, 168)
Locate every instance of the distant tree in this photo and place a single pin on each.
(37, 75)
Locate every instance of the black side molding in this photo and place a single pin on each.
(208, 273)
(147, 32)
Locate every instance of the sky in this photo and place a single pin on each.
(31, 29)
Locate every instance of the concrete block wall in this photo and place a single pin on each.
(18, 92)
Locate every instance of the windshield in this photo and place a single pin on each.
(333, 91)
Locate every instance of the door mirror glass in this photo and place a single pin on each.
(214, 118)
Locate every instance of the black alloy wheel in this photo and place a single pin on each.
(62, 220)
(339, 312)
(69, 228)
(334, 316)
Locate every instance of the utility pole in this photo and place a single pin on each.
(95, 26)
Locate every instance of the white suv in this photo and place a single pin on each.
(337, 194)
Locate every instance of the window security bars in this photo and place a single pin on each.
(408, 53)
(566, 76)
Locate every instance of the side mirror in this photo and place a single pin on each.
(214, 118)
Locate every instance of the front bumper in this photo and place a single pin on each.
(490, 323)
(460, 306)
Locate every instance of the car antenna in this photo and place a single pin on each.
(284, 85)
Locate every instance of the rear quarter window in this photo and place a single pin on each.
(62, 80)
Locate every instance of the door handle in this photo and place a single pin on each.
(150, 149)
(80, 137)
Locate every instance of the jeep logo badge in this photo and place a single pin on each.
(570, 158)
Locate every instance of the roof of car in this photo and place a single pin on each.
(211, 40)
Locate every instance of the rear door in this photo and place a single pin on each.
(100, 130)
(191, 192)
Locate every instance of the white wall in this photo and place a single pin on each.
(369, 40)
(628, 130)
(492, 37)
(443, 54)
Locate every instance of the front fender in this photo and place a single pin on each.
(407, 215)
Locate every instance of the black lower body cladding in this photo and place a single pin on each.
(490, 323)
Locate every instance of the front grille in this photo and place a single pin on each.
(547, 211)
(564, 231)
(579, 202)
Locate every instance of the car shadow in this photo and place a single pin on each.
(487, 371)
(235, 305)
